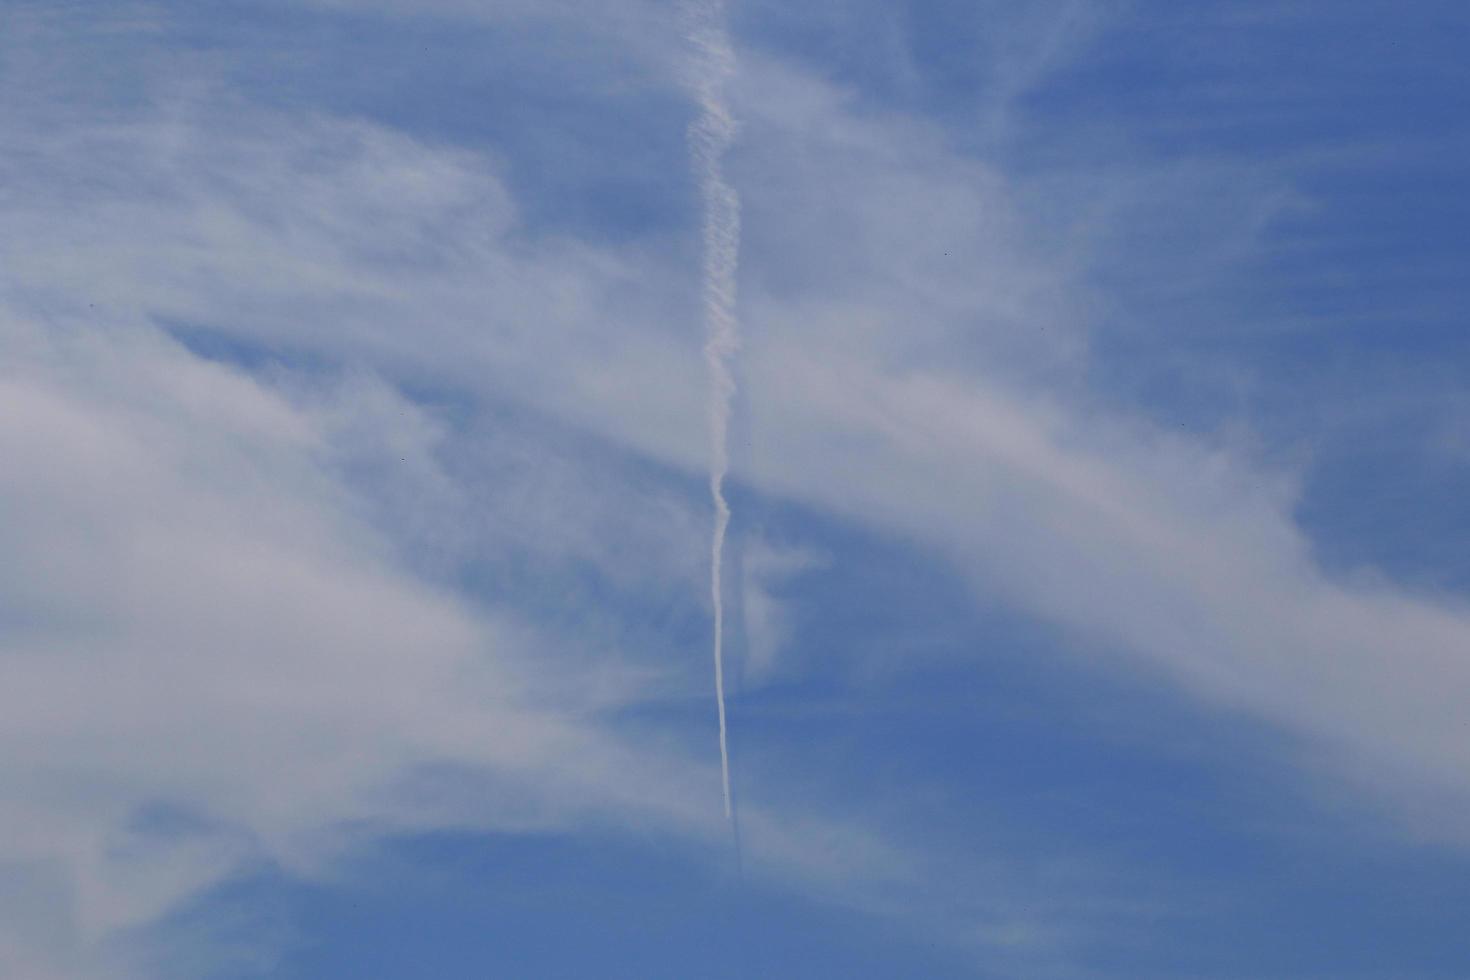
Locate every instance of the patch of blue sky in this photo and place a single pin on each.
(557, 906)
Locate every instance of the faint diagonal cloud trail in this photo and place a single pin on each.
(710, 135)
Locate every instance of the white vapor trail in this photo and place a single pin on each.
(710, 136)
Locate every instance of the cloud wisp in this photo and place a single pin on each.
(710, 136)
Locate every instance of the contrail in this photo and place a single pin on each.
(709, 137)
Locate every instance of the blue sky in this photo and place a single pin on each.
(1096, 596)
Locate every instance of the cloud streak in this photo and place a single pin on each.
(709, 137)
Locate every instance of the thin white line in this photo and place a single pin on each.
(709, 136)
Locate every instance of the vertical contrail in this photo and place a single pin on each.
(709, 137)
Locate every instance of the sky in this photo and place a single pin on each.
(1095, 596)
